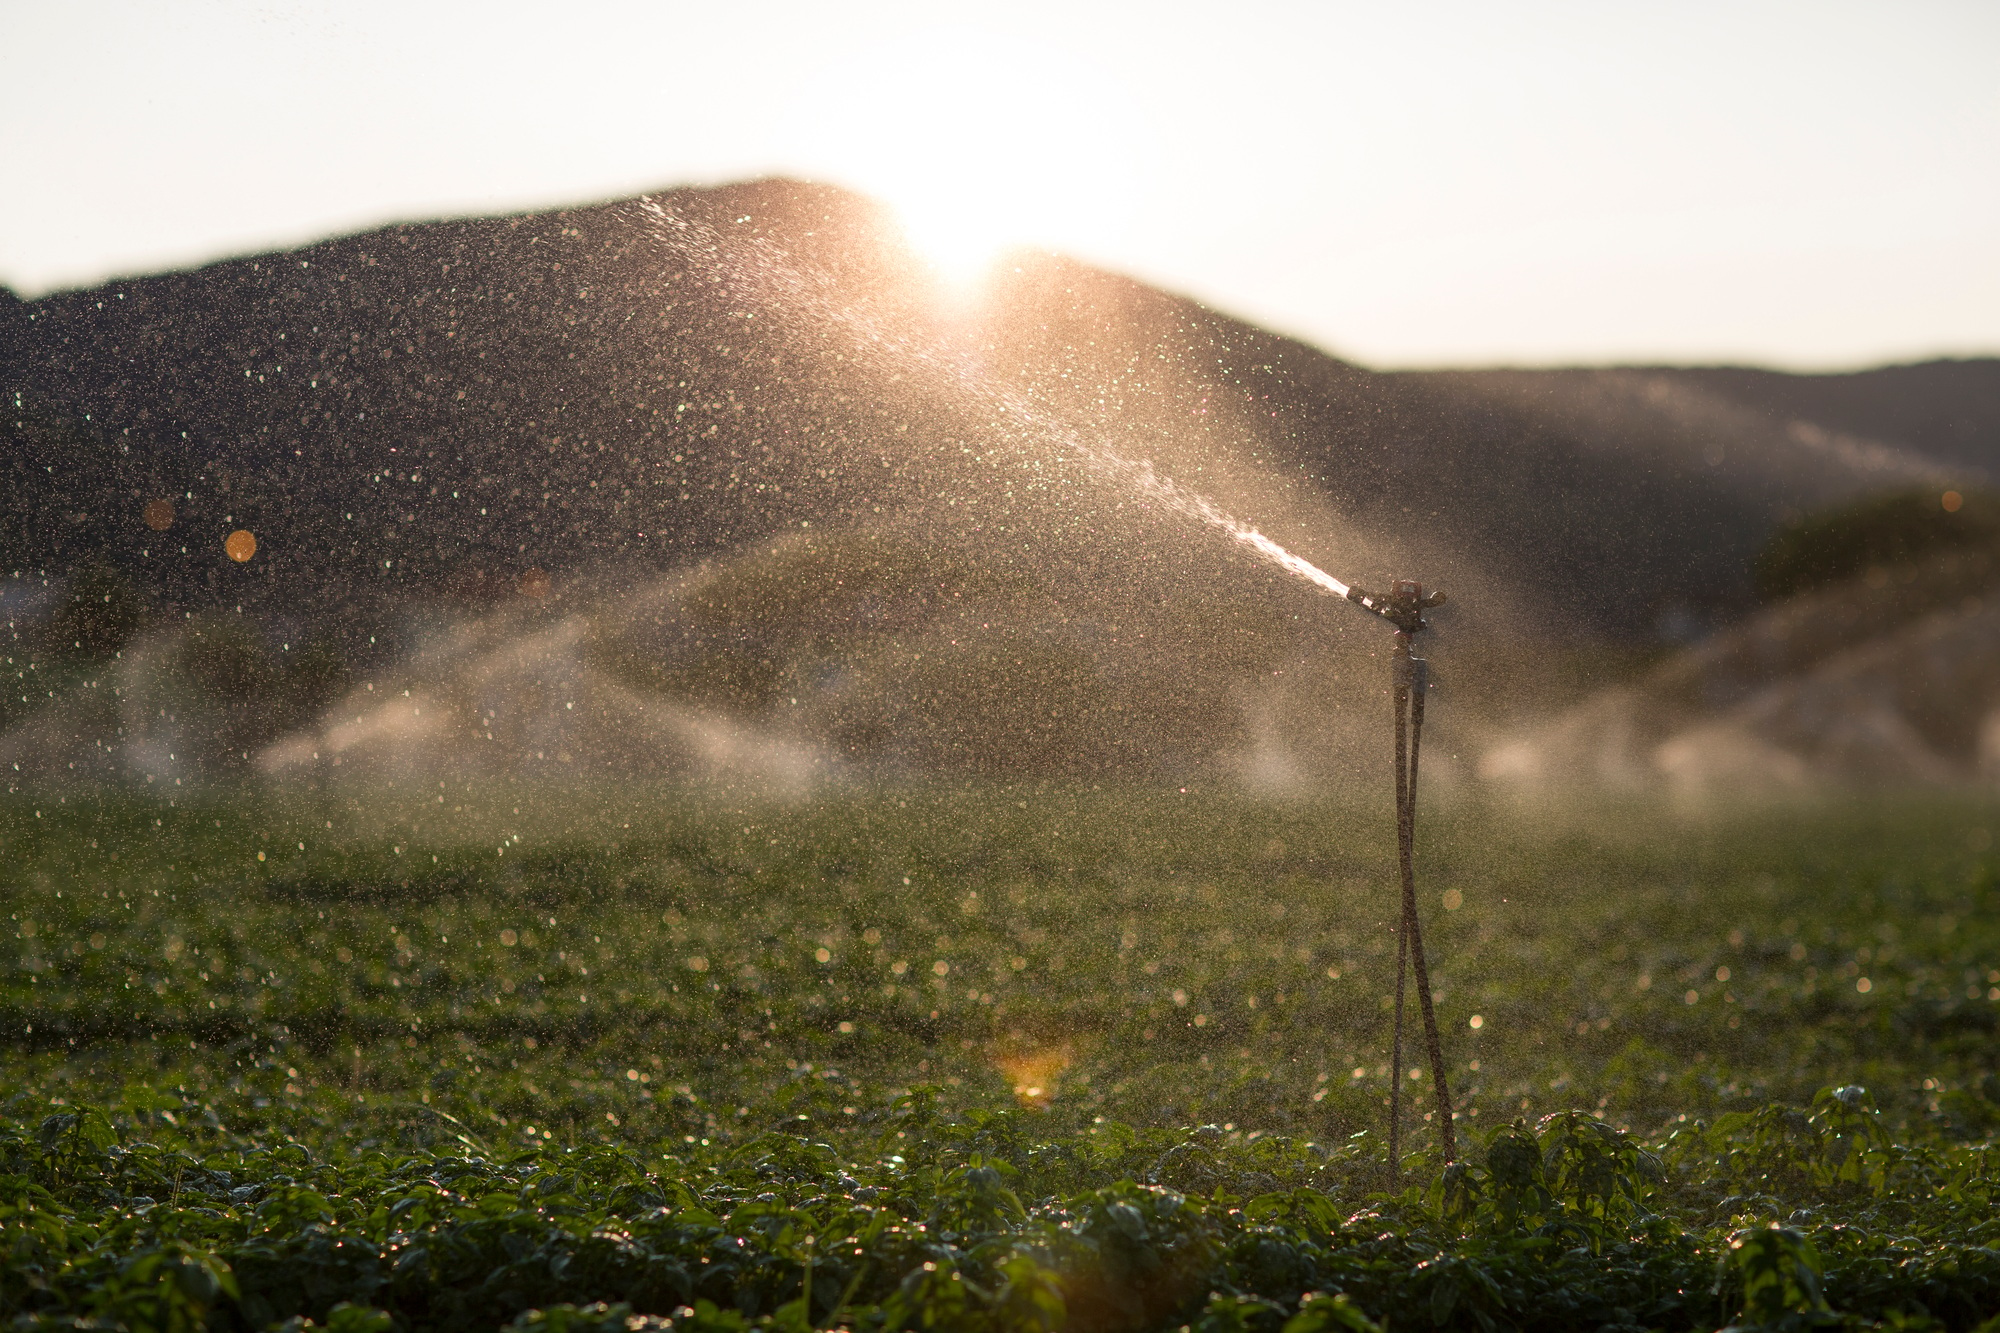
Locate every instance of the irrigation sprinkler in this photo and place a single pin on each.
(1404, 608)
(700, 245)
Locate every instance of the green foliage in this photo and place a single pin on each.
(1571, 1176)
(171, 1289)
(606, 1080)
(1780, 1274)
(1320, 1313)
(599, 1317)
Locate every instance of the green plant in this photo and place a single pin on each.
(1779, 1273)
(351, 1083)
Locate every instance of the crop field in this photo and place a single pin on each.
(999, 1059)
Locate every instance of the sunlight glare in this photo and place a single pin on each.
(981, 143)
(1033, 1073)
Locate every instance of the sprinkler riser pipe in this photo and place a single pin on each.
(1409, 681)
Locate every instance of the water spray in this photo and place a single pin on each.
(753, 268)
(1410, 675)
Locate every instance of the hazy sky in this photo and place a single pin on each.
(1804, 184)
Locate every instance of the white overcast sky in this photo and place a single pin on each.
(1811, 184)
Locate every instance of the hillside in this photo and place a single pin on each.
(445, 432)
(1889, 679)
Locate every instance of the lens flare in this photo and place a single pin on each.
(1033, 1074)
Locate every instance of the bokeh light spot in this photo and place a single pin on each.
(159, 515)
(532, 583)
(240, 545)
(1952, 501)
(1033, 1074)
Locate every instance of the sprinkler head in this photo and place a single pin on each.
(1403, 607)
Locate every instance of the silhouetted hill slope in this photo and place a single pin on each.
(546, 369)
(454, 414)
(389, 410)
(425, 423)
(1893, 677)
(1948, 410)
(1563, 524)
(1730, 468)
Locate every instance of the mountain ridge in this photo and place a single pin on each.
(434, 419)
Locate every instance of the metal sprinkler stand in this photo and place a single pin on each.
(1404, 608)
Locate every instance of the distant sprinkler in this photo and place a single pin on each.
(1404, 608)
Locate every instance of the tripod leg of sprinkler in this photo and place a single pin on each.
(1399, 698)
(1396, 1047)
(1413, 927)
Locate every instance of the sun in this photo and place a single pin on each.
(958, 233)
(982, 142)
(972, 181)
